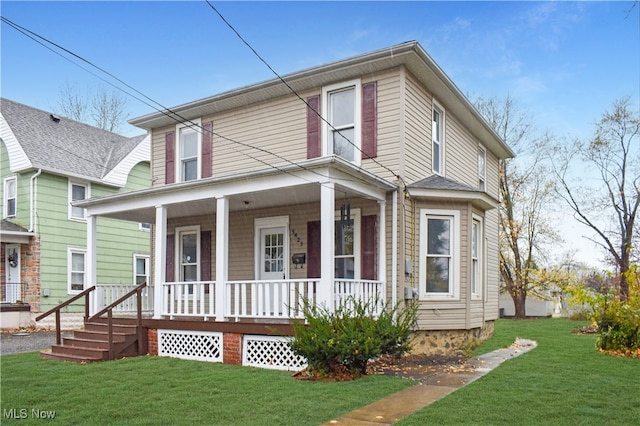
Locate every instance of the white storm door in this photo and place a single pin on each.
(12, 268)
(273, 253)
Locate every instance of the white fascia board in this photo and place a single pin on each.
(18, 159)
(479, 199)
(119, 175)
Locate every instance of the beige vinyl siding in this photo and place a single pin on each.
(492, 264)
(461, 153)
(417, 158)
(158, 157)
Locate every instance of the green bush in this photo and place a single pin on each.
(350, 336)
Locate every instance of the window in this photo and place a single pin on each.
(77, 192)
(143, 226)
(437, 137)
(482, 168)
(476, 258)
(189, 152)
(188, 253)
(76, 270)
(10, 197)
(347, 244)
(439, 255)
(140, 269)
(343, 110)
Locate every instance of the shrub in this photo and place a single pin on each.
(351, 335)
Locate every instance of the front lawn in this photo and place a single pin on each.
(564, 381)
(163, 391)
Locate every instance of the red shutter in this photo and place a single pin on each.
(369, 120)
(313, 249)
(205, 256)
(207, 140)
(169, 268)
(314, 149)
(170, 157)
(368, 241)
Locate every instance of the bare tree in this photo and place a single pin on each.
(108, 110)
(610, 207)
(525, 191)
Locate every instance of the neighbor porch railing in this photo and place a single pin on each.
(269, 299)
(105, 294)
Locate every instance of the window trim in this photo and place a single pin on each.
(70, 252)
(87, 195)
(147, 260)
(144, 227)
(477, 293)
(179, 232)
(356, 216)
(196, 126)
(454, 273)
(441, 142)
(482, 174)
(327, 142)
(5, 196)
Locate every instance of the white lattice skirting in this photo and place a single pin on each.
(197, 345)
(270, 352)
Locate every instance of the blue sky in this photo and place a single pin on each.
(564, 62)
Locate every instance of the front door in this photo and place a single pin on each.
(272, 253)
(273, 249)
(12, 268)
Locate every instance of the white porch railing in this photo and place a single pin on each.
(346, 292)
(282, 299)
(105, 294)
(273, 299)
(189, 299)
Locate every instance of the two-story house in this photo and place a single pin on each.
(46, 163)
(371, 177)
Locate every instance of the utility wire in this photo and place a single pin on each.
(152, 103)
(296, 93)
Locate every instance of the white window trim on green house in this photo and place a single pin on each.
(10, 192)
(71, 251)
(74, 211)
(193, 127)
(329, 94)
(438, 139)
(453, 216)
(140, 277)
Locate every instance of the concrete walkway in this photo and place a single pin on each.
(430, 388)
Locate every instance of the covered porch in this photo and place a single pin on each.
(255, 246)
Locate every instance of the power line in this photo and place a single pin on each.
(297, 94)
(178, 118)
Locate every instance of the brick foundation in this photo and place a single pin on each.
(450, 342)
(152, 341)
(232, 348)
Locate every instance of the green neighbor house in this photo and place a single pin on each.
(47, 163)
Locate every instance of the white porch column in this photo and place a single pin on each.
(382, 247)
(327, 235)
(160, 259)
(222, 256)
(91, 260)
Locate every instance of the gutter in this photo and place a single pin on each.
(32, 201)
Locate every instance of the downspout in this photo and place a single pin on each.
(32, 200)
(394, 249)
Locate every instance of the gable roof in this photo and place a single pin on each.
(440, 187)
(410, 55)
(37, 139)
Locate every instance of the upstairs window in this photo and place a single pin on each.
(482, 168)
(437, 137)
(188, 153)
(343, 111)
(77, 192)
(10, 196)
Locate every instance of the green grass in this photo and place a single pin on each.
(154, 391)
(564, 381)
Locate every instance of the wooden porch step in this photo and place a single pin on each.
(116, 328)
(65, 357)
(86, 353)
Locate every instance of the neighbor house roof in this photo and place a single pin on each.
(410, 55)
(37, 139)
